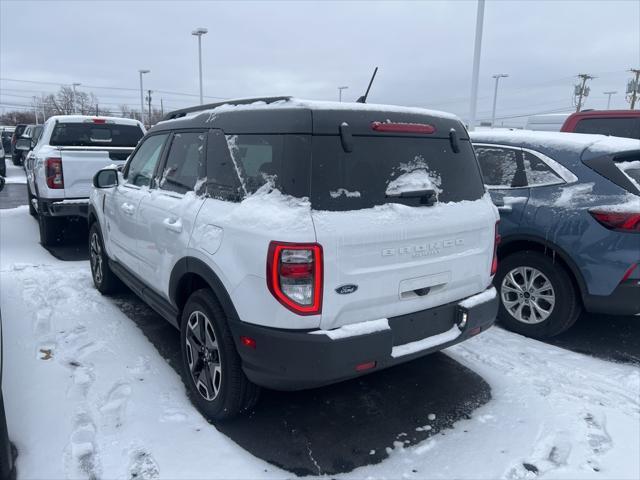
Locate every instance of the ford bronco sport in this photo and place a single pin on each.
(297, 244)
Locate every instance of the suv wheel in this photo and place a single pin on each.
(32, 211)
(537, 296)
(104, 279)
(211, 366)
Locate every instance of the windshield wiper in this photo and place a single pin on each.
(427, 197)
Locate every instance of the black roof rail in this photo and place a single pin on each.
(243, 101)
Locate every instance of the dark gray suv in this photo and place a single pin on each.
(570, 225)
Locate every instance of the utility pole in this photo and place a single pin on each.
(633, 87)
(497, 76)
(476, 64)
(149, 102)
(340, 89)
(581, 90)
(609, 98)
(161, 108)
(35, 108)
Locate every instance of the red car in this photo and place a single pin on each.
(618, 123)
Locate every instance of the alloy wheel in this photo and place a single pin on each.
(528, 295)
(95, 254)
(203, 355)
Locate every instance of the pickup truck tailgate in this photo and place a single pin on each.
(79, 165)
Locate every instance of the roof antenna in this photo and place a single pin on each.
(363, 99)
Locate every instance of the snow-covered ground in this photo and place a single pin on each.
(88, 396)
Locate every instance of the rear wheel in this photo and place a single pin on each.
(104, 279)
(537, 296)
(211, 366)
(32, 210)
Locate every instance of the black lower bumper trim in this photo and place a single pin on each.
(295, 360)
(60, 209)
(624, 300)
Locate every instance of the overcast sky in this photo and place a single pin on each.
(307, 49)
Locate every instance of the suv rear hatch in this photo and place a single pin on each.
(399, 209)
(86, 147)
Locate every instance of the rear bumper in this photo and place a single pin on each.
(624, 300)
(295, 360)
(65, 208)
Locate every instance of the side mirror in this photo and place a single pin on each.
(23, 144)
(106, 178)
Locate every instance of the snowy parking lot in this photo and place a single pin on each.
(92, 391)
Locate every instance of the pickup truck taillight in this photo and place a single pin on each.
(496, 242)
(53, 172)
(620, 221)
(294, 276)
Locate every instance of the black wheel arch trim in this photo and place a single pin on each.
(192, 265)
(554, 248)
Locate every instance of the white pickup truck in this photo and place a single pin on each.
(60, 169)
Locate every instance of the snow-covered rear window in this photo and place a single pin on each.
(501, 167)
(380, 167)
(631, 168)
(538, 172)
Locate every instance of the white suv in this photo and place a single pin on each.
(297, 244)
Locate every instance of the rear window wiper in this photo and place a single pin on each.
(427, 197)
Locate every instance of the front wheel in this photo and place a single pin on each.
(537, 296)
(211, 366)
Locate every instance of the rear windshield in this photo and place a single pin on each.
(391, 169)
(95, 135)
(618, 127)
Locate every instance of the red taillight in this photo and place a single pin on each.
(621, 221)
(496, 242)
(391, 127)
(628, 273)
(53, 172)
(294, 276)
(99, 121)
(365, 366)
(248, 342)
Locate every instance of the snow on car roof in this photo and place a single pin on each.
(576, 142)
(82, 118)
(314, 105)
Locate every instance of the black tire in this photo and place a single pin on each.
(105, 281)
(15, 159)
(50, 229)
(563, 313)
(32, 211)
(235, 392)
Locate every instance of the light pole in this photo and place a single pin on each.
(497, 76)
(340, 89)
(476, 64)
(198, 32)
(142, 72)
(609, 98)
(74, 85)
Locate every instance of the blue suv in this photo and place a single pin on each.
(570, 226)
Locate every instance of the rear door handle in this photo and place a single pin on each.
(173, 224)
(127, 208)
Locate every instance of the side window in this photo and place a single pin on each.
(501, 167)
(140, 168)
(185, 162)
(538, 172)
(257, 157)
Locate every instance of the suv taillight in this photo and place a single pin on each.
(294, 276)
(496, 242)
(53, 172)
(620, 221)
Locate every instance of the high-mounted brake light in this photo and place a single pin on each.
(391, 127)
(294, 276)
(620, 221)
(99, 121)
(53, 172)
(496, 242)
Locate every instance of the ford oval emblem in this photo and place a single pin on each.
(346, 289)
